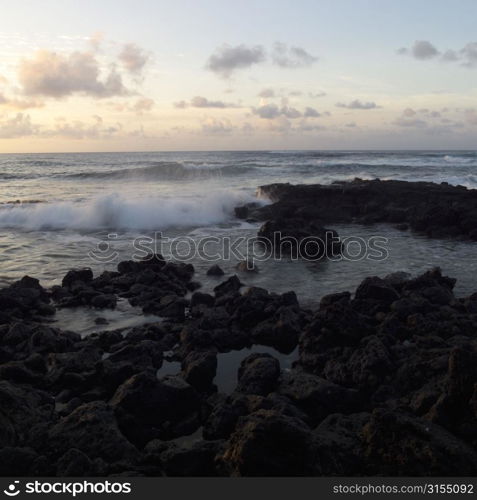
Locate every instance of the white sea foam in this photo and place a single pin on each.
(115, 211)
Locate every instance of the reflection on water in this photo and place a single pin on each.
(228, 364)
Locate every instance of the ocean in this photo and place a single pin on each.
(56, 210)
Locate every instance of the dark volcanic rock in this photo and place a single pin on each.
(77, 275)
(92, 429)
(318, 397)
(404, 445)
(258, 374)
(199, 369)
(438, 210)
(215, 270)
(299, 238)
(148, 408)
(267, 443)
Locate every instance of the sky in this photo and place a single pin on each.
(139, 75)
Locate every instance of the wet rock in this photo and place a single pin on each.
(25, 415)
(198, 460)
(258, 374)
(215, 270)
(148, 408)
(142, 355)
(376, 289)
(338, 439)
(226, 411)
(247, 267)
(299, 238)
(104, 301)
(403, 445)
(16, 462)
(74, 463)
(93, 430)
(437, 210)
(318, 397)
(77, 275)
(199, 298)
(231, 285)
(267, 443)
(199, 369)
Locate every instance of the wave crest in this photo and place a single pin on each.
(114, 211)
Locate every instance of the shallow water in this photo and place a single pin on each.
(84, 201)
(228, 364)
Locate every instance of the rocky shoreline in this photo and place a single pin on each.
(436, 210)
(385, 380)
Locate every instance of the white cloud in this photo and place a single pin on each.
(56, 75)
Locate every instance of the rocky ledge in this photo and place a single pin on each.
(385, 380)
(437, 210)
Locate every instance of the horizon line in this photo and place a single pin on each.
(265, 150)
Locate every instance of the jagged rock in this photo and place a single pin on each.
(402, 445)
(148, 408)
(267, 443)
(77, 275)
(258, 374)
(215, 270)
(92, 429)
(199, 369)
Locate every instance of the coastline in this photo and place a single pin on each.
(383, 381)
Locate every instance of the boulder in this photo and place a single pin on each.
(267, 443)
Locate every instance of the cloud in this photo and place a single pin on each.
(216, 127)
(203, 102)
(357, 104)
(18, 126)
(267, 111)
(226, 59)
(450, 56)
(181, 104)
(423, 49)
(266, 93)
(469, 54)
(410, 122)
(20, 104)
(142, 105)
(471, 116)
(272, 111)
(79, 130)
(56, 75)
(133, 58)
(96, 39)
(291, 57)
(315, 95)
(311, 113)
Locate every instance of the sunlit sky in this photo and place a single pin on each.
(113, 75)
